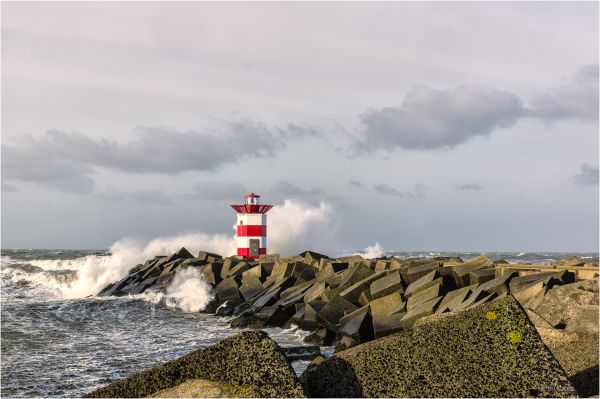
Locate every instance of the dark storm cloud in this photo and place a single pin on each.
(578, 99)
(430, 119)
(154, 197)
(588, 175)
(355, 183)
(32, 161)
(287, 189)
(222, 190)
(468, 187)
(65, 160)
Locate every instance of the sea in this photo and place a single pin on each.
(59, 340)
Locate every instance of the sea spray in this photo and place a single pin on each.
(372, 251)
(189, 291)
(294, 226)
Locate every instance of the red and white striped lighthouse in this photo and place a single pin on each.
(252, 227)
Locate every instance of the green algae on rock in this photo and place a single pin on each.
(249, 359)
(466, 354)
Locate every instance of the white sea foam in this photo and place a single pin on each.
(372, 251)
(189, 291)
(293, 226)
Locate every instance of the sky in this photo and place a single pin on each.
(419, 126)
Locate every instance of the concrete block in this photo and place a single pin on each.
(387, 305)
(435, 290)
(334, 310)
(251, 286)
(415, 272)
(353, 292)
(387, 324)
(423, 282)
(228, 289)
(358, 325)
(386, 285)
(425, 309)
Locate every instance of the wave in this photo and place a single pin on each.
(189, 291)
(372, 251)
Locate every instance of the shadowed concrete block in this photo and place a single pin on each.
(344, 343)
(321, 337)
(466, 354)
(386, 285)
(330, 293)
(455, 298)
(251, 286)
(336, 279)
(499, 285)
(353, 292)
(330, 268)
(208, 256)
(351, 258)
(424, 282)
(365, 298)
(249, 359)
(461, 272)
(259, 271)
(311, 311)
(212, 273)
(481, 276)
(313, 258)
(358, 325)
(381, 265)
(297, 288)
(435, 290)
(424, 309)
(334, 310)
(388, 324)
(228, 263)
(268, 258)
(228, 289)
(356, 273)
(415, 272)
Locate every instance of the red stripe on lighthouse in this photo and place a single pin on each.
(251, 231)
(245, 252)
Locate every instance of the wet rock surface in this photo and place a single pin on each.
(249, 361)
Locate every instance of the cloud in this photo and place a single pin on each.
(419, 190)
(468, 187)
(32, 161)
(383, 188)
(66, 161)
(355, 183)
(154, 197)
(218, 191)
(431, 119)
(577, 99)
(284, 188)
(588, 175)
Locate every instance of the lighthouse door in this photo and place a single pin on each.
(254, 247)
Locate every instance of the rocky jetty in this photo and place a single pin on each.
(247, 364)
(380, 305)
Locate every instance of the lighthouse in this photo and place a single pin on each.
(251, 227)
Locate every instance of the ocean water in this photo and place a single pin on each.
(58, 339)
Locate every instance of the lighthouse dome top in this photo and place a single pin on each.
(252, 205)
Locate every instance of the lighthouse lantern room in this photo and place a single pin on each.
(251, 227)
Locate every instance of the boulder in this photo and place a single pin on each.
(358, 325)
(249, 359)
(422, 283)
(334, 310)
(481, 276)
(199, 388)
(386, 285)
(424, 309)
(228, 290)
(466, 354)
(352, 293)
(208, 256)
(461, 271)
(434, 290)
(567, 320)
(251, 286)
(416, 272)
